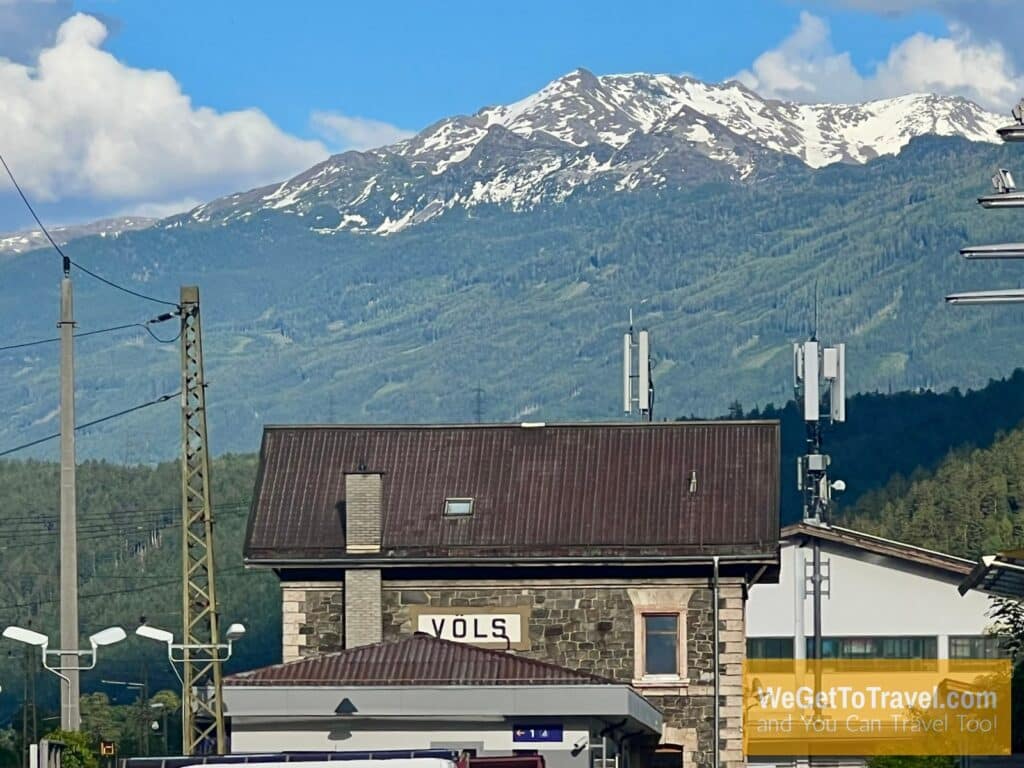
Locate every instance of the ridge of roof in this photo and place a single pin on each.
(880, 545)
(391, 661)
(528, 425)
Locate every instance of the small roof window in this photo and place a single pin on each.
(458, 507)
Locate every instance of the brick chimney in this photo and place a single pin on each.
(363, 510)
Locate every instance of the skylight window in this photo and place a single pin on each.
(458, 507)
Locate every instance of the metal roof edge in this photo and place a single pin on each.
(524, 562)
(532, 425)
(884, 546)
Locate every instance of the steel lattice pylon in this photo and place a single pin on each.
(202, 707)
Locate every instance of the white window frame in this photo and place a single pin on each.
(458, 500)
(640, 676)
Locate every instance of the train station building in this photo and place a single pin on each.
(531, 588)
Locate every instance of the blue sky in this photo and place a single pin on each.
(410, 64)
(151, 107)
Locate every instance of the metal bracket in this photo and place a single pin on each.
(826, 577)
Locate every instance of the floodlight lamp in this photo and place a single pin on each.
(1007, 296)
(160, 635)
(235, 632)
(1003, 181)
(1001, 251)
(27, 636)
(107, 636)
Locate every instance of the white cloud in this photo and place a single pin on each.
(805, 67)
(80, 124)
(980, 20)
(359, 133)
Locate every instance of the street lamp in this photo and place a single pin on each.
(179, 653)
(162, 726)
(218, 651)
(104, 637)
(143, 692)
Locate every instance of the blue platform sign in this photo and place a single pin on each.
(537, 732)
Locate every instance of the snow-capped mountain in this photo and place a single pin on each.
(28, 240)
(621, 131)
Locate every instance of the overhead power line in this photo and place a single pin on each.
(94, 422)
(144, 326)
(64, 256)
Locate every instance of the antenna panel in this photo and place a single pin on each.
(644, 370)
(838, 396)
(798, 364)
(829, 363)
(812, 399)
(627, 373)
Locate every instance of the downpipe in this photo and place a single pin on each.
(718, 665)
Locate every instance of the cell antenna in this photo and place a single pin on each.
(637, 382)
(814, 329)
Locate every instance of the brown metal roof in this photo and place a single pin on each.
(879, 545)
(416, 660)
(584, 490)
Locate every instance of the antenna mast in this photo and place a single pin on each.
(202, 704)
(817, 368)
(638, 387)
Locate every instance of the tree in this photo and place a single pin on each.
(79, 752)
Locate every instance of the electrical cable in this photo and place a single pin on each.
(94, 422)
(94, 595)
(64, 256)
(144, 326)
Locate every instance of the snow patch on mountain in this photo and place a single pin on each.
(626, 131)
(29, 240)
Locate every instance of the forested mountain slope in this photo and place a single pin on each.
(301, 327)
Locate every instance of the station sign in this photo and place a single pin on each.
(537, 732)
(504, 628)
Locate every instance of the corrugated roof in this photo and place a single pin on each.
(416, 660)
(584, 490)
(879, 545)
(999, 575)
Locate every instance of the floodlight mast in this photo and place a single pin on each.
(1006, 196)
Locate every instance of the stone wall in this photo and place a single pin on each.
(592, 627)
(311, 618)
(579, 625)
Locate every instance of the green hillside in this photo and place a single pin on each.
(972, 505)
(531, 305)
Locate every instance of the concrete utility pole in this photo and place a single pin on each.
(70, 719)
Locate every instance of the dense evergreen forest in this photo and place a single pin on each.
(129, 567)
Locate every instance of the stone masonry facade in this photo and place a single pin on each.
(576, 624)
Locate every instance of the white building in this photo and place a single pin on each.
(882, 599)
